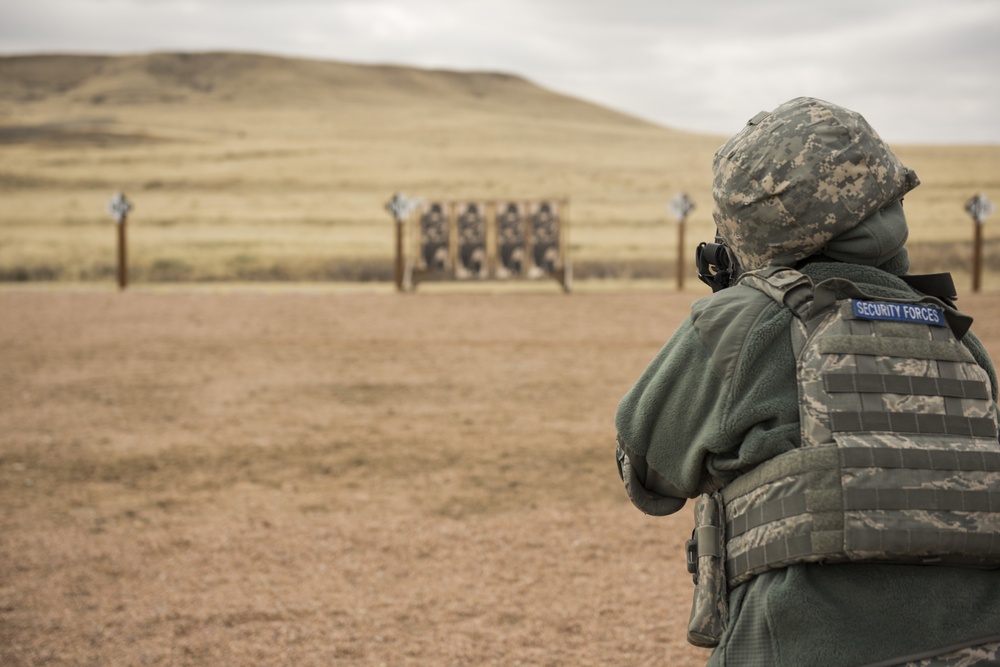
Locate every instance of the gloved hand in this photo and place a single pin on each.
(635, 474)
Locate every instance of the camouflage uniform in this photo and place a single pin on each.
(799, 177)
(721, 398)
(986, 654)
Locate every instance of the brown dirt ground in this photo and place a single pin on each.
(291, 478)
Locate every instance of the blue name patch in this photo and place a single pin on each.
(898, 312)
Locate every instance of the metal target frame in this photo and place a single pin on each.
(474, 240)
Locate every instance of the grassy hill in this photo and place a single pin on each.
(246, 166)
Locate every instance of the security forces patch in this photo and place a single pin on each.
(898, 312)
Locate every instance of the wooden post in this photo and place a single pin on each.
(567, 264)
(979, 207)
(122, 255)
(453, 238)
(400, 207)
(681, 205)
(399, 255)
(680, 254)
(119, 207)
(977, 256)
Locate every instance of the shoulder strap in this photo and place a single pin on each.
(940, 285)
(828, 291)
(789, 287)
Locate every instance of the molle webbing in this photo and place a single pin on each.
(906, 422)
(795, 509)
(899, 459)
(894, 347)
(903, 384)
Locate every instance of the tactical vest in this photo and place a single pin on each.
(899, 460)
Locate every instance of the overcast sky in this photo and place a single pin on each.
(921, 71)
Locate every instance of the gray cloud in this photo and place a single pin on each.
(919, 70)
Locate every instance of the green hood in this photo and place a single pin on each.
(874, 241)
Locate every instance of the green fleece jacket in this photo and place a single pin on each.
(720, 398)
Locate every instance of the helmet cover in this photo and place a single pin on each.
(797, 177)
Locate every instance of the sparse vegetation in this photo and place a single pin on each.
(248, 167)
(225, 476)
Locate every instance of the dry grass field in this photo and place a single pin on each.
(333, 478)
(302, 472)
(247, 167)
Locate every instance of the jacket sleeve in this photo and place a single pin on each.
(666, 413)
(719, 397)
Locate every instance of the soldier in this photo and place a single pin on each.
(833, 415)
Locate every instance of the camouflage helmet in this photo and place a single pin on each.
(799, 176)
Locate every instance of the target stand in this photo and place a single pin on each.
(486, 240)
